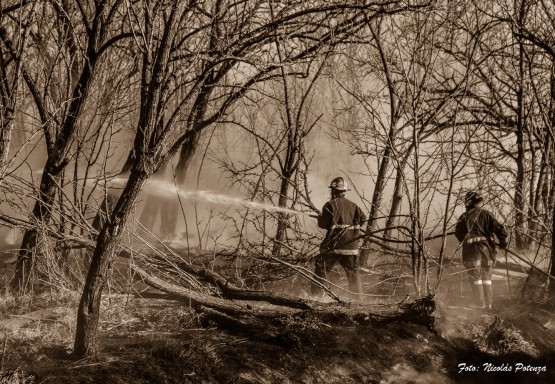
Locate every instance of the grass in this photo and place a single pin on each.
(161, 341)
(30, 322)
(498, 338)
(16, 376)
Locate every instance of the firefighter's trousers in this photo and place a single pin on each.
(325, 262)
(479, 276)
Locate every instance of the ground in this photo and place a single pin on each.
(158, 339)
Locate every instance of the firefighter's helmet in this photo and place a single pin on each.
(472, 198)
(338, 184)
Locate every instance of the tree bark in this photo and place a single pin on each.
(382, 178)
(89, 307)
(552, 261)
(397, 196)
(6, 126)
(230, 291)
(41, 214)
(519, 199)
(376, 206)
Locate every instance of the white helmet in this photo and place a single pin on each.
(338, 184)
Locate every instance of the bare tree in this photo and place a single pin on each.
(408, 114)
(71, 40)
(297, 128)
(535, 28)
(178, 62)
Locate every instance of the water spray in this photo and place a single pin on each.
(169, 189)
(166, 188)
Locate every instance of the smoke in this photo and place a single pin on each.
(13, 237)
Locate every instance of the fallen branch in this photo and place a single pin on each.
(230, 291)
(196, 299)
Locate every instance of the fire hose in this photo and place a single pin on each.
(514, 254)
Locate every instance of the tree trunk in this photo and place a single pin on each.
(282, 223)
(229, 291)
(89, 306)
(552, 266)
(382, 178)
(397, 197)
(6, 126)
(519, 199)
(41, 214)
(58, 150)
(290, 163)
(289, 168)
(187, 152)
(111, 196)
(550, 194)
(7, 100)
(376, 207)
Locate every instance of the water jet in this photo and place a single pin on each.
(166, 188)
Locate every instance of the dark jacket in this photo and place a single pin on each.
(476, 229)
(343, 219)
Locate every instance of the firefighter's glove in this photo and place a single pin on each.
(503, 245)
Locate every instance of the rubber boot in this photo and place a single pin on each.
(315, 290)
(320, 275)
(488, 293)
(355, 285)
(478, 294)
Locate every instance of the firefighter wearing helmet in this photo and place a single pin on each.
(342, 219)
(475, 229)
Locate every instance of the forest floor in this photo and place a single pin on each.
(157, 339)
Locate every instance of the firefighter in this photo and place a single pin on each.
(342, 219)
(475, 229)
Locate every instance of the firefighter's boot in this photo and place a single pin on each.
(488, 294)
(355, 285)
(477, 294)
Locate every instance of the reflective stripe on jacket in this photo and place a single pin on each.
(342, 219)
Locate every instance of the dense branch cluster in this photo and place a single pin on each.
(417, 102)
